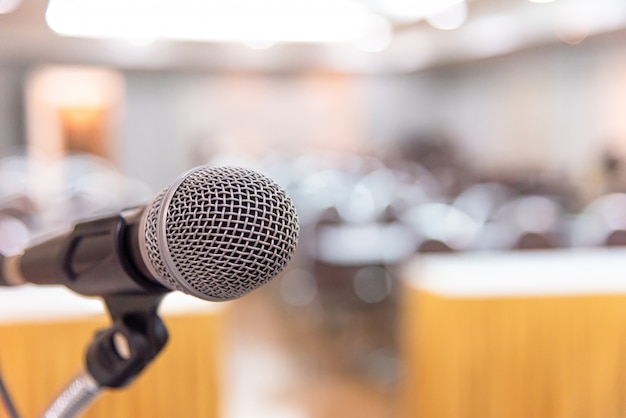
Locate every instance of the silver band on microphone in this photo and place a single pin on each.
(11, 271)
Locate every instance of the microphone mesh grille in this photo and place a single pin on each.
(227, 230)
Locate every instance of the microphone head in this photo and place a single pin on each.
(218, 233)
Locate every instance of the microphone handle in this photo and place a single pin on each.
(98, 257)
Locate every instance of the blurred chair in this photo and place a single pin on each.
(482, 200)
(14, 235)
(601, 223)
(526, 223)
(441, 227)
(16, 198)
(433, 246)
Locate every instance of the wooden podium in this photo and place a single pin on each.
(44, 334)
(515, 335)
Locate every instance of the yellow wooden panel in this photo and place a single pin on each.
(39, 359)
(522, 357)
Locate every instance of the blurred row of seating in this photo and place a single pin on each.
(357, 208)
(354, 209)
(38, 198)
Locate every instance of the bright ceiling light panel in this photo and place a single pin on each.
(414, 9)
(212, 20)
(451, 17)
(7, 6)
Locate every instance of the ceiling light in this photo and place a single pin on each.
(7, 6)
(451, 17)
(378, 37)
(248, 21)
(493, 35)
(414, 9)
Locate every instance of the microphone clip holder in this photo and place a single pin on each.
(117, 354)
(137, 335)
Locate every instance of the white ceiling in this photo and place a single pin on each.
(494, 27)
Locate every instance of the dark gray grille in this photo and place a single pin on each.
(225, 232)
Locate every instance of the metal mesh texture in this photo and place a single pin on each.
(152, 243)
(228, 231)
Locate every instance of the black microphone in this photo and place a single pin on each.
(216, 233)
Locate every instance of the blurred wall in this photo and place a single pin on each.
(398, 106)
(554, 109)
(152, 144)
(174, 121)
(11, 109)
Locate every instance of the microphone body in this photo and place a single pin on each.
(216, 233)
(98, 257)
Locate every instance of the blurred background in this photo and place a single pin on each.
(458, 168)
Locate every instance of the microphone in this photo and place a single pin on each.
(216, 233)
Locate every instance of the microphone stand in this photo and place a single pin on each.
(117, 354)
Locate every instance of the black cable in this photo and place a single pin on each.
(6, 399)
